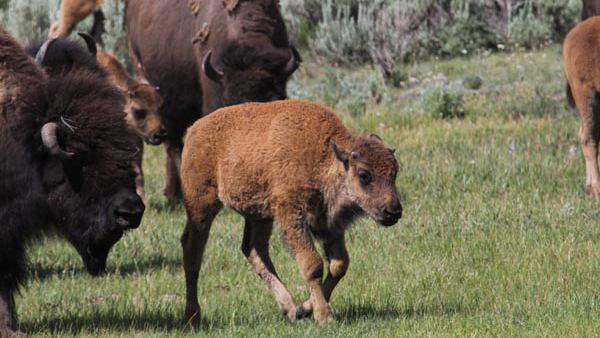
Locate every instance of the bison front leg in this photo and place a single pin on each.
(173, 185)
(309, 261)
(7, 315)
(255, 247)
(337, 255)
(193, 242)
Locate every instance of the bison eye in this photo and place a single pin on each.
(364, 177)
(139, 113)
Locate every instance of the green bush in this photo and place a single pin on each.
(466, 36)
(528, 31)
(473, 82)
(444, 103)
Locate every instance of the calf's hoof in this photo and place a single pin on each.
(593, 191)
(324, 316)
(303, 310)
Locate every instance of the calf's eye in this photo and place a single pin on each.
(364, 177)
(139, 113)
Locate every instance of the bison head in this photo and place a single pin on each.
(143, 107)
(87, 151)
(251, 75)
(370, 175)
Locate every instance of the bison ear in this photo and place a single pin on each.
(341, 154)
(376, 137)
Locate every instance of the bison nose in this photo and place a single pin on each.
(128, 214)
(393, 210)
(156, 137)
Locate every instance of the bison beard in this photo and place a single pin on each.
(65, 161)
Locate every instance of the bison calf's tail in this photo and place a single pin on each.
(570, 98)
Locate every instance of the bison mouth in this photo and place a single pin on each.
(95, 254)
(153, 140)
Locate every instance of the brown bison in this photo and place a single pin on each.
(590, 8)
(582, 65)
(208, 54)
(292, 162)
(65, 160)
(142, 108)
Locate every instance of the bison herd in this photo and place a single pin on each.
(73, 123)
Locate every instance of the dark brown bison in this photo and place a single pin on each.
(207, 54)
(292, 162)
(590, 8)
(65, 160)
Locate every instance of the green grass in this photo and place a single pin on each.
(498, 237)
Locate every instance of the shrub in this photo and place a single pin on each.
(473, 82)
(528, 31)
(466, 36)
(443, 103)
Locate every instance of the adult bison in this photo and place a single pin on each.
(590, 8)
(295, 163)
(207, 54)
(65, 160)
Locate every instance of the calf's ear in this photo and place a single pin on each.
(341, 154)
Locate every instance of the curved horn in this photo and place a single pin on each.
(90, 42)
(41, 54)
(293, 62)
(50, 141)
(208, 69)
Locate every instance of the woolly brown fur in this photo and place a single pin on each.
(582, 65)
(292, 162)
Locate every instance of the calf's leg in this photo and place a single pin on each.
(173, 185)
(308, 259)
(193, 242)
(589, 132)
(255, 247)
(337, 255)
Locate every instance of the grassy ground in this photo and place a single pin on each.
(498, 237)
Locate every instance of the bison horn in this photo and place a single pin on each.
(208, 69)
(50, 141)
(41, 54)
(293, 62)
(90, 42)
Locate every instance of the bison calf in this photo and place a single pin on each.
(582, 65)
(292, 162)
(142, 108)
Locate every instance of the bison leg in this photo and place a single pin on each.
(255, 247)
(337, 255)
(589, 132)
(173, 186)
(139, 181)
(308, 259)
(7, 315)
(193, 242)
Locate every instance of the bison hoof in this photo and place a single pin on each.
(192, 315)
(303, 311)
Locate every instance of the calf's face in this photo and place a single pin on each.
(143, 106)
(371, 171)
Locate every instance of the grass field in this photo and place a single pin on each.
(497, 239)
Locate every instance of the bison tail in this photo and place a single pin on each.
(570, 98)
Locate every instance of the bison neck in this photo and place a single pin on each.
(340, 210)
